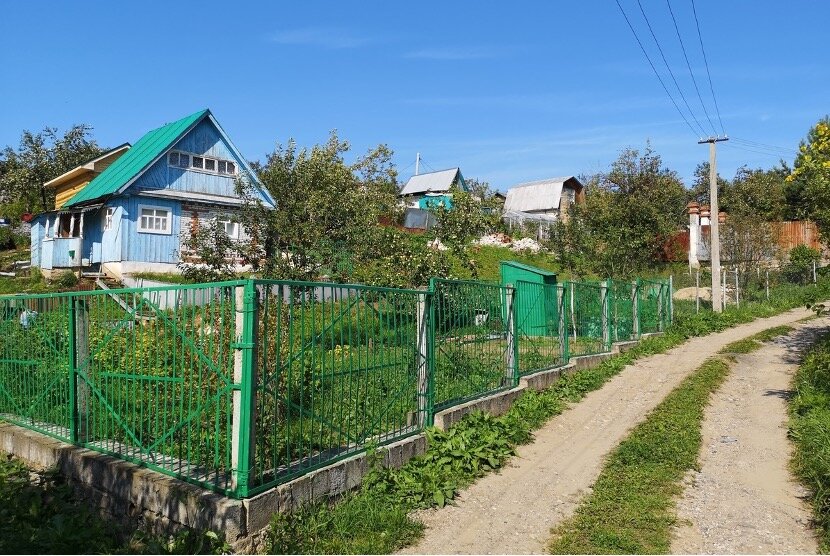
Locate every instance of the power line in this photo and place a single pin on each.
(671, 73)
(765, 145)
(706, 63)
(747, 149)
(688, 65)
(650, 63)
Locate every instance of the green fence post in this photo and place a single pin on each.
(605, 307)
(423, 326)
(561, 295)
(431, 353)
(244, 378)
(78, 356)
(511, 356)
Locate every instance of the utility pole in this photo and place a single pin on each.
(714, 237)
(417, 163)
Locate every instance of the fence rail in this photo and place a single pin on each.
(238, 386)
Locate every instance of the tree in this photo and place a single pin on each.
(700, 188)
(326, 207)
(758, 193)
(469, 218)
(809, 181)
(39, 158)
(747, 242)
(628, 216)
(210, 252)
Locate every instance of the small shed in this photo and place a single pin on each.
(536, 311)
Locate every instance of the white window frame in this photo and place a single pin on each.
(225, 220)
(109, 214)
(142, 230)
(215, 172)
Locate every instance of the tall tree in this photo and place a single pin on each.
(628, 216)
(758, 194)
(809, 182)
(700, 187)
(39, 158)
(326, 207)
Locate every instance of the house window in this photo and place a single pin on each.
(189, 161)
(154, 220)
(108, 212)
(231, 227)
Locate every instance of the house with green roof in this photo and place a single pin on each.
(131, 209)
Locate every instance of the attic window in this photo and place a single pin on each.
(190, 161)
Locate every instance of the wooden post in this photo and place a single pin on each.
(422, 329)
(243, 432)
(635, 310)
(606, 314)
(737, 289)
(767, 284)
(79, 369)
(697, 292)
(723, 287)
(511, 370)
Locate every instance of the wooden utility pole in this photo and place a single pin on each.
(714, 237)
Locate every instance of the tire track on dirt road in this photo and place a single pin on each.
(511, 512)
(744, 500)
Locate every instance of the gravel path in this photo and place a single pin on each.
(512, 512)
(744, 500)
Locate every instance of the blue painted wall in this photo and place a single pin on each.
(147, 247)
(112, 240)
(36, 235)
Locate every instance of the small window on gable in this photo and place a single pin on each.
(173, 159)
(231, 167)
(210, 164)
(184, 160)
(198, 162)
(223, 167)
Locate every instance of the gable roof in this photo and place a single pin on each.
(539, 195)
(152, 146)
(435, 182)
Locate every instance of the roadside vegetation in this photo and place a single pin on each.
(810, 431)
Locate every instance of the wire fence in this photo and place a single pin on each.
(242, 385)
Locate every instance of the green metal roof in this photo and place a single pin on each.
(135, 160)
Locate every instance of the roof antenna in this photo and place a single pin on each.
(417, 162)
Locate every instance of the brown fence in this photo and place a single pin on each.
(798, 232)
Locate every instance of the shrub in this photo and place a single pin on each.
(66, 279)
(799, 269)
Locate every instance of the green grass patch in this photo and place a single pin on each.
(40, 515)
(630, 510)
(809, 429)
(752, 343)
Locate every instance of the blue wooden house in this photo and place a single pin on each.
(131, 209)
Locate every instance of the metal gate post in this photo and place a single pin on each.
(635, 309)
(511, 360)
(244, 381)
(563, 324)
(423, 326)
(78, 359)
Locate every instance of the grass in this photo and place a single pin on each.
(752, 343)
(809, 428)
(39, 514)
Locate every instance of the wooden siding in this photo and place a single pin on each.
(146, 247)
(798, 232)
(36, 235)
(112, 240)
(66, 191)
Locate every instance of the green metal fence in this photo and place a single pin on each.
(238, 386)
(541, 331)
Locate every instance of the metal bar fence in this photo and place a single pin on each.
(238, 386)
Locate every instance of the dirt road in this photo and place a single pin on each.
(744, 500)
(512, 512)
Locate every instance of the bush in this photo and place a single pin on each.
(6, 238)
(799, 269)
(66, 279)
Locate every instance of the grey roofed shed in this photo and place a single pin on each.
(541, 195)
(434, 182)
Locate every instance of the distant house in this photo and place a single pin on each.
(423, 191)
(130, 209)
(543, 200)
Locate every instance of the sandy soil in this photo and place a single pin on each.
(744, 500)
(512, 512)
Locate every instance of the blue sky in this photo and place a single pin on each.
(509, 92)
